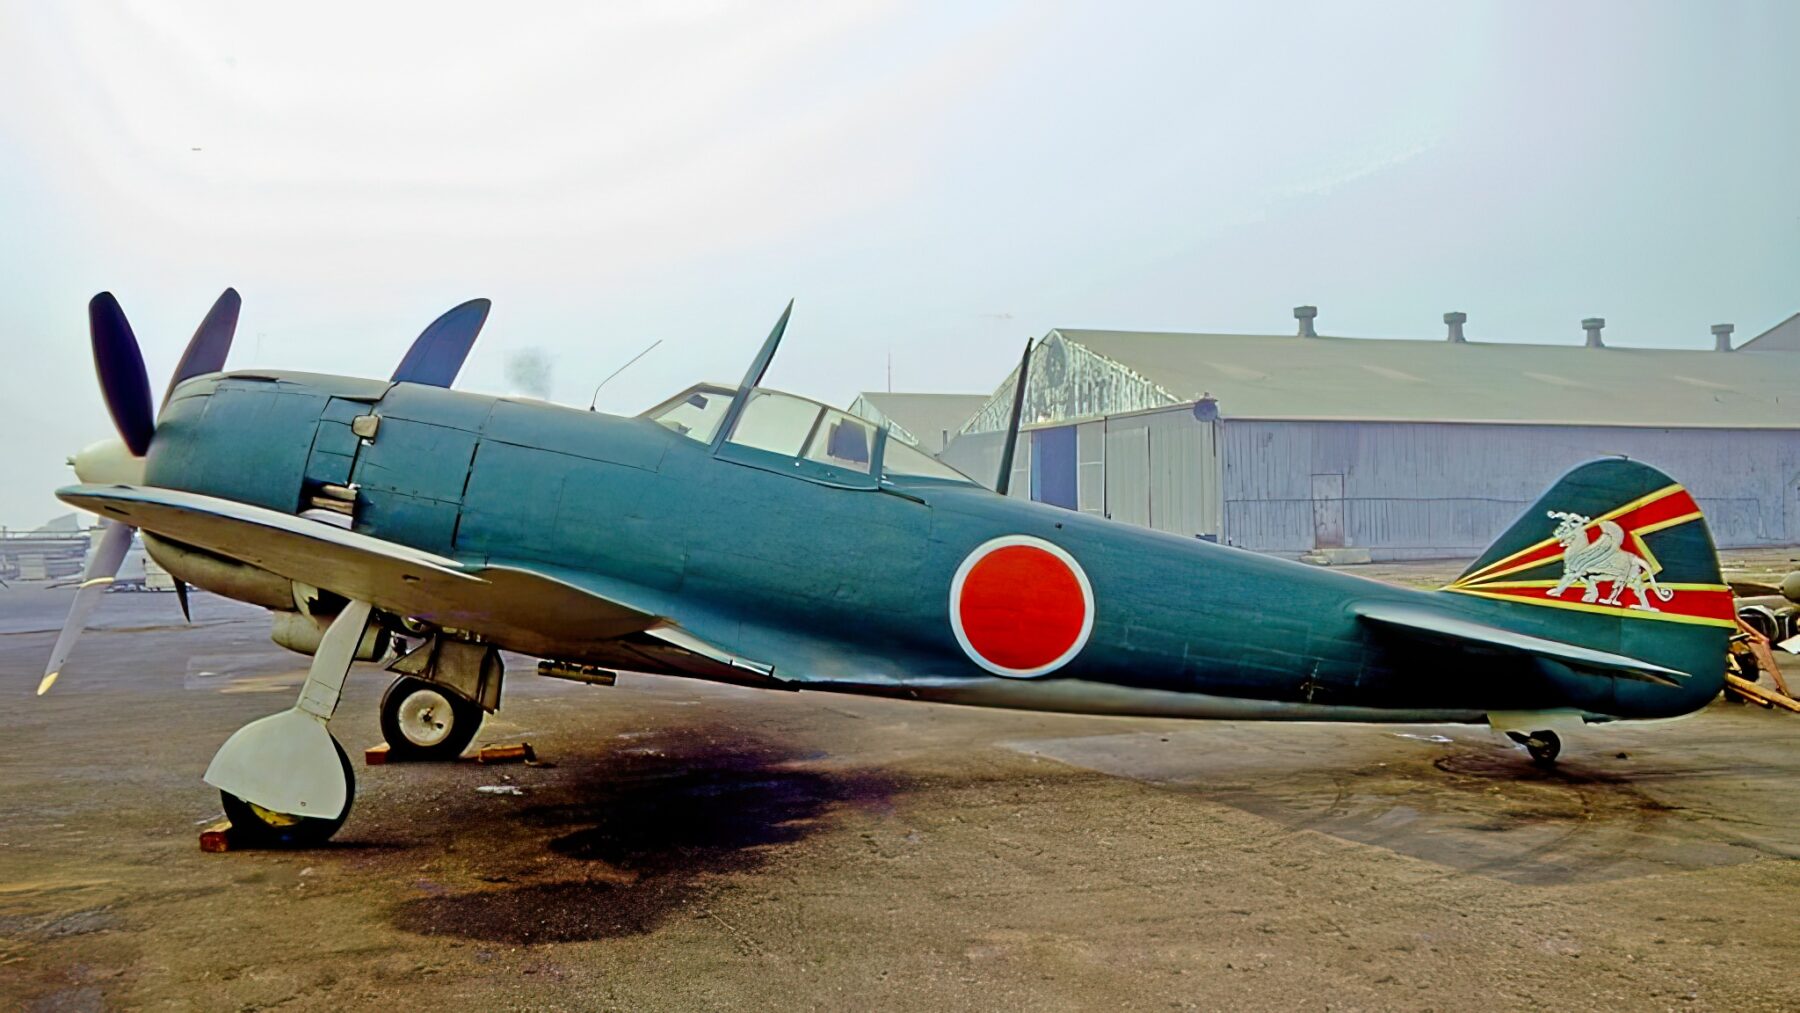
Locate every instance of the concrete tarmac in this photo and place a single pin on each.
(705, 847)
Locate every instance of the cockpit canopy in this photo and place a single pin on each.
(839, 445)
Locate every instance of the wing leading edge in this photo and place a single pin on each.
(519, 608)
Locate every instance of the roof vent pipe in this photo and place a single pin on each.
(1722, 337)
(1305, 315)
(1456, 320)
(1592, 326)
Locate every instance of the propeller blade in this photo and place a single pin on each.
(181, 596)
(102, 566)
(120, 364)
(437, 354)
(211, 342)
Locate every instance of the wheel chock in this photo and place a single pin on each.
(510, 752)
(217, 838)
(513, 752)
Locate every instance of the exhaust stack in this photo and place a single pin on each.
(1456, 321)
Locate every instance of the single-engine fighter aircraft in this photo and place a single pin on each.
(747, 536)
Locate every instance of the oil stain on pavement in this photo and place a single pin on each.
(631, 836)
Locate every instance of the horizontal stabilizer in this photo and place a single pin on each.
(1431, 624)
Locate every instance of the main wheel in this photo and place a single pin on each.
(1543, 746)
(265, 828)
(423, 721)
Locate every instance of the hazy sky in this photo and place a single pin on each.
(932, 181)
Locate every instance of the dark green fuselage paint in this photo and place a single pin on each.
(840, 582)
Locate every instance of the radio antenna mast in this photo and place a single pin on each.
(1003, 484)
(596, 398)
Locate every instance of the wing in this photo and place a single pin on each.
(518, 608)
(1430, 624)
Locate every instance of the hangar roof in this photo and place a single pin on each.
(1087, 373)
(920, 419)
(1783, 337)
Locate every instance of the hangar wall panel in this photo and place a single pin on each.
(1019, 485)
(1090, 461)
(977, 455)
(1128, 470)
(1423, 490)
(1184, 469)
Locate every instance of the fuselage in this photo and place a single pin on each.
(838, 585)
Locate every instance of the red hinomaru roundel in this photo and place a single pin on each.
(1021, 607)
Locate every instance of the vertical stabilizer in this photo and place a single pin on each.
(1615, 557)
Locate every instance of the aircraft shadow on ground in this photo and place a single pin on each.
(1472, 807)
(643, 831)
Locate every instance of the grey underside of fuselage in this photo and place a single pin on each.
(1079, 696)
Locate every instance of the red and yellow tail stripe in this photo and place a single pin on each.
(1704, 604)
(1707, 604)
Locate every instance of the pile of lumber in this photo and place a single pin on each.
(1750, 658)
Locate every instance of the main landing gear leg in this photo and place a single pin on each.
(1543, 746)
(283, 779)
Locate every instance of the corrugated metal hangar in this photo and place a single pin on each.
(1359, 448)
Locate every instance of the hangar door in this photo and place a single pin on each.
(1128, 471)
(1328, 511)
(1161, 470)
(1019, 484)
(1185, 495)
(1053, 466)
(1090, 467)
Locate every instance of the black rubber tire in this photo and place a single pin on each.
(1543, 747)
(257, 827)
(464, 717)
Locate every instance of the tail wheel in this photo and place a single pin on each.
(265, 828)
(1543, 746)
(424, 721)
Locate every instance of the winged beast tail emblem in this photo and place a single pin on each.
(1603, 560)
